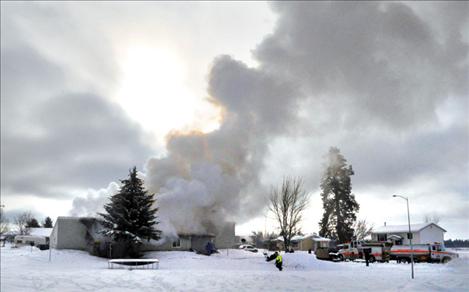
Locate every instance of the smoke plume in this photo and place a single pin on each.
(367, 58)
(333, 65)
(207, 179)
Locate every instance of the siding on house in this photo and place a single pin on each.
(313, 242)
(306, 244)
(422, 233)
(69, 233)
(53, 236)
(431, 234)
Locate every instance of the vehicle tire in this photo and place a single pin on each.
(372, 259)
(404, 260)
(341, 258)
(445, 260)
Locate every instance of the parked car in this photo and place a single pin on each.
(248, 247)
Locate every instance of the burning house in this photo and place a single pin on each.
(83, 233)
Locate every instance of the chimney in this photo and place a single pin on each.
(385, 223)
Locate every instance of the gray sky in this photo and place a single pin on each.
(90, 89)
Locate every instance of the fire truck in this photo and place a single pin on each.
(355, 250)
(402, 253)
(431, 253)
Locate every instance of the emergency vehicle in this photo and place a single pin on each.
(346, 251)
(435, 252)
(354, 250)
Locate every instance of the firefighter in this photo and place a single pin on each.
(278, 262)
(271, 257)
(367, 252)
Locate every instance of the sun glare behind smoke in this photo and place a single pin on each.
(154, 92)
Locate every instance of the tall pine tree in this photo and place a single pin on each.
(339, 203)
(32, 223)
(130, 216)
(47, 223)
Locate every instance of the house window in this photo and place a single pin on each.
(382, 237)
(177, 243)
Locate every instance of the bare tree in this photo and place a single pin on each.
(3, 222)
(431, 218)
(362, 229)
(21, 221)
(288, 204)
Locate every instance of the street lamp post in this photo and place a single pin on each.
(410, 235)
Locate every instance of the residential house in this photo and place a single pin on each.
(423, 233)
(83, 233)
(313, 242)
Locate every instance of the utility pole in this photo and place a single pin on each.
(409, 235)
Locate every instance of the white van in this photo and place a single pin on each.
(42, 242)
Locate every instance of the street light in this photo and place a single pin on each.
(409, 235)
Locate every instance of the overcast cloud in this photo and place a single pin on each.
(387, 83)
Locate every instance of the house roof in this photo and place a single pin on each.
(403, 228)
(40, 231)
(302, 237)
(294, 238)
(74, 218)
(196, 235)
(316, 237)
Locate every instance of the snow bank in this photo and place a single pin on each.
(230, 270)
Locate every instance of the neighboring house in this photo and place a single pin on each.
(37, 236)
(70, 233)
(422, 233)
(84, 232)
(278, 243)
(195, 242)
(8, 236)
(40, 231)
(303, 242)
(313, 242)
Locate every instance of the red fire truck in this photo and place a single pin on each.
(434, 252)
(354, 250)
(402, 253)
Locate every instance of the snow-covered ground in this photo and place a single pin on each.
(232, 270)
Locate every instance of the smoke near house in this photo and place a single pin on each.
(207, 179)
(335, 74)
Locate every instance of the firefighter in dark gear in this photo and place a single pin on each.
(272, 257)
(278, 262)
(367, 252)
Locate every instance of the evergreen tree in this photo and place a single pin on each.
(130, 216)
(339, 203)
(47, 223)
(32, 223)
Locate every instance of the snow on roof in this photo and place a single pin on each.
(294, 238)
(319, 238)
(74, 217)
(297, 237)
(301, 237)
(316, 237)
(40, 231)
(403, 228)
(280, 238)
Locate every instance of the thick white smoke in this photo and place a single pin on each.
(341, 66)
(358, 62)
(208, 179)
(94, 201)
